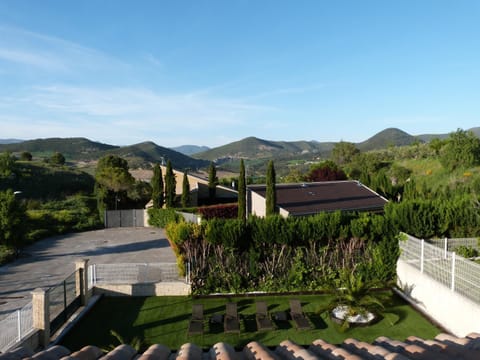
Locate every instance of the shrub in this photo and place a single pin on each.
(161, 217)
(226, 211)
(466, 251)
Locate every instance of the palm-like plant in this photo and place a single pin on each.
(354, 295)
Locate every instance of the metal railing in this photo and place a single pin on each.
(459, 274)
(452, 244)
(16, 327)
(132, 273)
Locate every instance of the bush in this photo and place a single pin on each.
(227, 211)
(466, 251)
(7, 254)
(161, 217)
(278, 254)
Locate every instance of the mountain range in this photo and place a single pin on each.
(193, 156)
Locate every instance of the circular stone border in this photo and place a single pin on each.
(339, 313)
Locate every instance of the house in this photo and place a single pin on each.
(199, 193)
(312, 198)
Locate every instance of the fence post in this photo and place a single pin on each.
(41, 315)
(446, 248)
(422, 254)
(453, 272)
(81, 280)
(19, 326)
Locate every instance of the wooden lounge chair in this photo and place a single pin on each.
(296, 312)
(263, 319)
(230, 322)
(195, 326)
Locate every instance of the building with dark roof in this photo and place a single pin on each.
(312, 198)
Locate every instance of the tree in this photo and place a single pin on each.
(326, 171)
(271, 195)
(12, 220)
(57, 159)
(344, 152)
(462, 150)
(185, 190)
(140, 193)
(212, 181)
(242, 193)
(157, 187)
(170, 185)
(112, 177)
(26, 156)
(7, 164)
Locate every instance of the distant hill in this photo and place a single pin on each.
(255, 148)
(71, 148)
(9, 141)
(190, 149)
(386, 138)
(149, 152)
(81, 149)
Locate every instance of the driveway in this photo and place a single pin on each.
(50, 261)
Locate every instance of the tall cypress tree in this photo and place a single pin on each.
(242, 193)
(212, 181)
(157, 187)
(270, 196)
(170, 184)
(185, 190)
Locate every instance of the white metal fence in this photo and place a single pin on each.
(132, 273)
(15, 327)
(452, 244)
(459, 274)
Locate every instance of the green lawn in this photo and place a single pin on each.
(164, 320)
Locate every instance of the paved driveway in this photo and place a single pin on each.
(49, 261)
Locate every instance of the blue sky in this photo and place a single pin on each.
(213, 72)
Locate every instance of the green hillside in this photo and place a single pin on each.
(81, 149)
(255, 148)
(71, 148)
(386, 138)
(38, 180)
(143, 154)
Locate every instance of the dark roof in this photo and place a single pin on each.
(312, 198)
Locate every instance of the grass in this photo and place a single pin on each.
(164, 320)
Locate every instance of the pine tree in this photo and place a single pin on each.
(170, 184)
(270, 196)
(242, 193)
(185, 190)
(157, 187)
(212, 181)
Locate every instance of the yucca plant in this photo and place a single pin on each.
(356, 296)
(136, 343)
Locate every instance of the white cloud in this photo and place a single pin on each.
(127, 115)
(48, 53)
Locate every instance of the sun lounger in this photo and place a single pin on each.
(264, 322)
(230, 322)
(296, 312)
(195, 326)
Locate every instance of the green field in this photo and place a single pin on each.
(164, 320)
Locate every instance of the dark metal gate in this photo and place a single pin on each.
(124, 218)
(65, 299)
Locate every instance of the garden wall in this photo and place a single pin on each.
(152, 289)
(454, 312)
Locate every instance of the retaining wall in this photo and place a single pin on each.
(153, 289)
(453, 311)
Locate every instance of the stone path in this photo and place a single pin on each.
(50, 261)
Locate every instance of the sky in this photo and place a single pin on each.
(210, 72)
